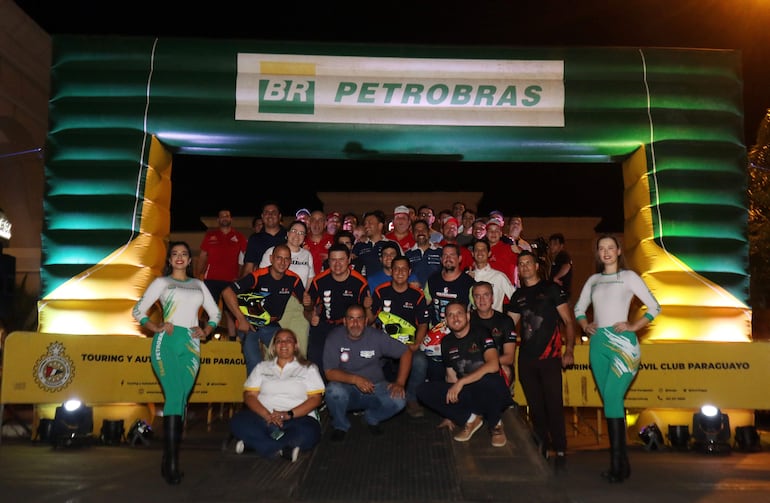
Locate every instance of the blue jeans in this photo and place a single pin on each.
(423, 368)
(252, 353)
(303, 432)
(377, 406)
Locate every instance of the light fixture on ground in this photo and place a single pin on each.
(73, 425)
(679, 436)
(711, 430)
(652, 437)
(139, 433)
(747, 439)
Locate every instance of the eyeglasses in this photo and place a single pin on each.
(298, 233)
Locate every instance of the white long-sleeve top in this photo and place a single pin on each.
(180, 301)
(611, 295)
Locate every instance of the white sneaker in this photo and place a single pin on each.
(239, 447)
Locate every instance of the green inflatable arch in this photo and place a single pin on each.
(121, 107)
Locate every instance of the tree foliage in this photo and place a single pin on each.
(759, 216)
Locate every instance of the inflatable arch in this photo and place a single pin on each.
(121, 107)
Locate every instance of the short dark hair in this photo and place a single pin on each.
(392, 245)
(558, 236)
(525, 253)
(379, 214)
(339, 247)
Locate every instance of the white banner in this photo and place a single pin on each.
(406, 91)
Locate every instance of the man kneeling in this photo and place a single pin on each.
(352, 360)
(474, 390)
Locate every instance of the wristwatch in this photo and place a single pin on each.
(290, 413)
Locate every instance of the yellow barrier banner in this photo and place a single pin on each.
(50, 368)
(682, 375)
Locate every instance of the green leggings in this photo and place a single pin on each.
(614, 360)
(175, 359)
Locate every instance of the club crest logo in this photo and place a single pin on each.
(54, 370)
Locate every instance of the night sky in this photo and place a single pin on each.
(550, 191)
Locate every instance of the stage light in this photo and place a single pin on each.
(747, 439)
(140, 432)
(72, 425)
(711, 430)
(652, 437)
(679, 436)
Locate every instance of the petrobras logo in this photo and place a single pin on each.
(408, 91)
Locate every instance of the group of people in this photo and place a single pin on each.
(401, 318)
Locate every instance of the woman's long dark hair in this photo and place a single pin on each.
(167, 268)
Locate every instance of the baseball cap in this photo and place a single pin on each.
(497, 215)
(301, 211)
(401, 209)
(451, 219)
(494, 221)
(333, 214)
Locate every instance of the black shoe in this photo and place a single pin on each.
(338, 435)
(290, 453)
(376, 429)
(560, 464)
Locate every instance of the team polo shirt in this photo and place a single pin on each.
(261, 241)
(405, 242)
(504, 259)
(261, 281)
(319, 250)
(362, 356)
(287, 387)
(410, 305)
(334, 296)
(424, 264)
(368, 255)
(225, 254)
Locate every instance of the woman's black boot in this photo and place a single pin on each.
(172, 435)
(616, 430)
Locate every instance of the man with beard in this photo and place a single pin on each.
(539, 307)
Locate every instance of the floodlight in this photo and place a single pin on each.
(72, 425)
(711, 430)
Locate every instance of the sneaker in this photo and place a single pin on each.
(498, 436)
(469, 429)
(414, 410)
(338, 435)
(290, 453)
(239, 447)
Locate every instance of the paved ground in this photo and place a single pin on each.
(412, 461)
